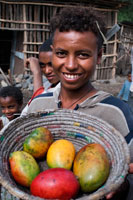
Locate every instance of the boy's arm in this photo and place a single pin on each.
(36, 93)
(33, 64)
(1, 124)
(131, 168)
(127, 115)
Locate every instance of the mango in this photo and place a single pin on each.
(24, 167)
(61, 154)
(38, 142)
(91, 167)
(56, 183)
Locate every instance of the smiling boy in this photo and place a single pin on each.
(77, 49)
(11, 101)
(42, 66)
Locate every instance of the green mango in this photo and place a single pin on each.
(91, 167)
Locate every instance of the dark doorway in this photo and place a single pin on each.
(5, 49)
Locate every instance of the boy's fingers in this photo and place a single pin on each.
(26, 62)
(110, 195)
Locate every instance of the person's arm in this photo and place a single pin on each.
(36, 93)
(1, 124)
(131, 168)
(126, 114)
(33, 64)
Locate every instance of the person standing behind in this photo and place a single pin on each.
(42, 66)
(125, 90)
(39, 67)
(11, 101)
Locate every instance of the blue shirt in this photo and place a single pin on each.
(125, 90)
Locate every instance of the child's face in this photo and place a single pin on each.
(75, 56)
(129, 77)
(46, 66)
(9, 107)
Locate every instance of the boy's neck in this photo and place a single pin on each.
(70, 98)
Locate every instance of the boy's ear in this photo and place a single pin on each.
(51, 46)
(99, 56)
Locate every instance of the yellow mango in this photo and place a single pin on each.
(61, 153)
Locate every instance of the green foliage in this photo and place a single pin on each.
(126, 13)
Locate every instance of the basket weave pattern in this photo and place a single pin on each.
(77, 127)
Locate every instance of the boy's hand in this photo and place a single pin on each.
(33, 64)
(110, 195)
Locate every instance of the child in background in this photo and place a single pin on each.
(11, 101)
(39, 67)
(125, 90)
(42, 66)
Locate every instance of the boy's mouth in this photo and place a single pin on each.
(50, 77)
(71, 76)
(10, 116)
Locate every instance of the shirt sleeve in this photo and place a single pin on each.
(36, 93)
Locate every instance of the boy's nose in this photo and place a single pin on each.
(48, 70)
(6, 110)
(71, 63)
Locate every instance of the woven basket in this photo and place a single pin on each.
(75, 126)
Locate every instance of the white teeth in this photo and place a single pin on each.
(71, 76)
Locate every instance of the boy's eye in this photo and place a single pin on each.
(42, 65)
(83, 55)
(50, 64)
(60, 54)
(2, 107)
(10, 107)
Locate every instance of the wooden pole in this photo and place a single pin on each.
(115, 51)
(1, 71)
(25, 33)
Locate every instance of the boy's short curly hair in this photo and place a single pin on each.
(12, 91)
(46, 46)
(79, 19)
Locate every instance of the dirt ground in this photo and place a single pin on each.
(112, 88)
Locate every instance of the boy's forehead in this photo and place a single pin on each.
(72, 34)
(7, 99)
(74, 38)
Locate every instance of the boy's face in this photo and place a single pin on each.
(46, 66)
(9, 107)
(129, 77)
(75, 56)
